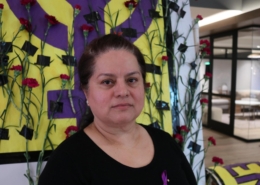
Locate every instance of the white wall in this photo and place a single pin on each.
(13, 174)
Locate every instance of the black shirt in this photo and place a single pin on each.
(79, 161)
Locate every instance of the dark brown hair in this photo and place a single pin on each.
(97, 47)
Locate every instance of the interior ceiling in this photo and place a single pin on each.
(250, 14)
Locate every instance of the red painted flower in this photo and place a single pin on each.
(1, 6)
(217, 160)
(205, 47)
(199, 17)
(147, 87)
(28, 2)
(51, 19)
(78, 7)
(204, 43)
(206, 51)
(16, 68)
(26, 24)
(119, 33)
(130, 4)
(207, 75)
(184, 128)
(70, 130)
(64, 77)
(87, 28)
(204, 101)
(77, 10)
(30, 82)
(212, 140)
(165, 58)
(178, 138)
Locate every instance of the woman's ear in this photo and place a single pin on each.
(85, 93)
(84, 90)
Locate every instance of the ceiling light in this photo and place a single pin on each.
(219, 16)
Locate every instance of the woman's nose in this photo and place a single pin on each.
(121, 89)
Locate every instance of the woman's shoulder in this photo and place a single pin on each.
(160, 136)
(68, 161)
(156, 132)
(78, 136)
(74, 143)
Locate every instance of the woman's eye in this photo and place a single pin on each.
(132, 80)
(107, 82)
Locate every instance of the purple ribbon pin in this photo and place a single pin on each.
(164, 177)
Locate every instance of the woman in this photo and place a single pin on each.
(111, 148)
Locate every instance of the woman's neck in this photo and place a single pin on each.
(126, 135)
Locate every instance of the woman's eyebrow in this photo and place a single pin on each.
(133, 73)
(106, 74)
(113, 75)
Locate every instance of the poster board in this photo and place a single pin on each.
(106, 17)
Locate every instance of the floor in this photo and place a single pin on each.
(231, 150)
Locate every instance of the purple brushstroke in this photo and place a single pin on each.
(136, 19)
(39, 24)
(78, 100)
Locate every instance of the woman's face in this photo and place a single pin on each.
(116, 89)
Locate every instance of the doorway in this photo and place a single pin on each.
(234, 90)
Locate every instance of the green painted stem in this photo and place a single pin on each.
(50, 124)
(41, 103)
(8, 101)
(45, 37)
